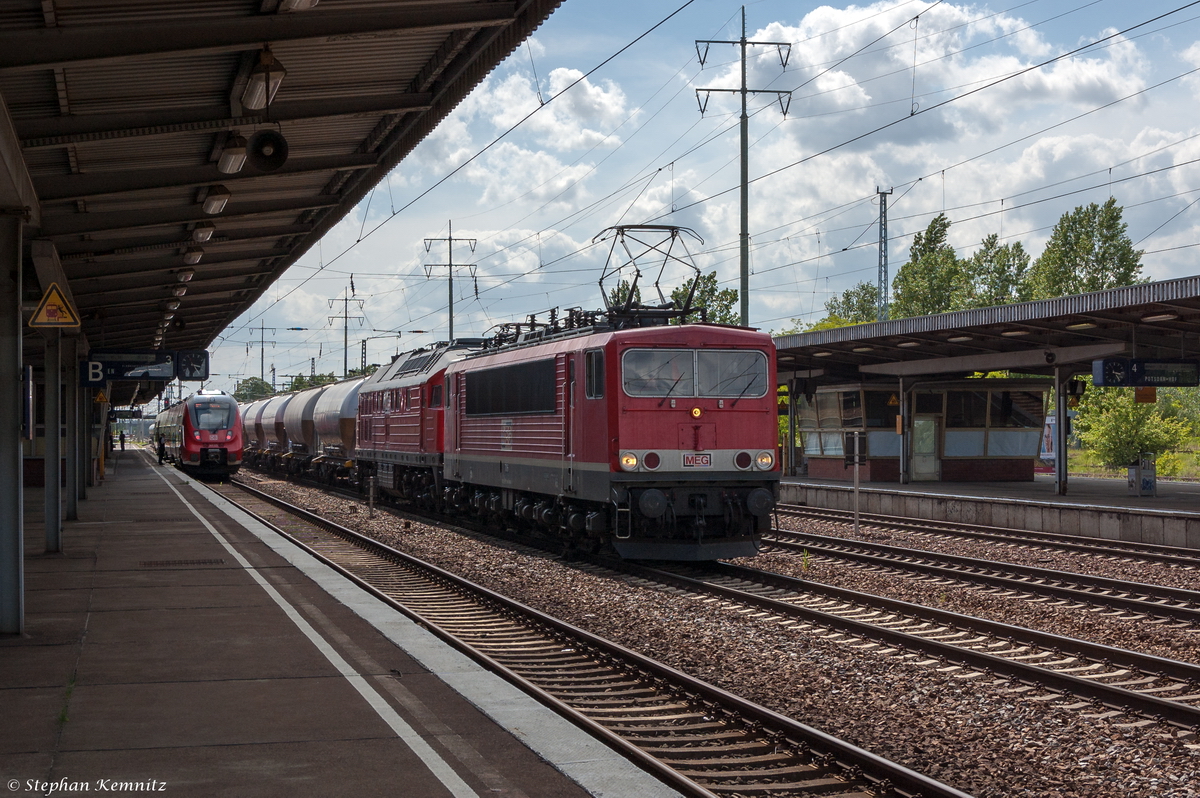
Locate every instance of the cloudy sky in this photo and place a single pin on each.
(1004, 116)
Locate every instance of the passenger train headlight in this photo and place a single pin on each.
(765, 460)
(629, 461)
(697, 412)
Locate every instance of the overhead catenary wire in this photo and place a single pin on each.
(642, 178)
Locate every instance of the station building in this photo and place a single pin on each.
(966, 396)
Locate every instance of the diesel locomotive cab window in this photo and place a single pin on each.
(520, 389)
(211, 415)
(435, 396)
(663, 372)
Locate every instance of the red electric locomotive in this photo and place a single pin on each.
(203, 434)
(400, 423)
(626, 427)
(660, 440)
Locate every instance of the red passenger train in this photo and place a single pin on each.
(203, 434)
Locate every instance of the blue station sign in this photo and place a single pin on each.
(160, 365)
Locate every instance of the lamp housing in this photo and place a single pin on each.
(193, 255)
(203, 231)
(217, 197)
(263, 82)
(233, 155)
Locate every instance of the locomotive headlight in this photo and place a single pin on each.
(765, 460)
(629, 461)
(697, 412)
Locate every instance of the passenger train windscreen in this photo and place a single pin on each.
(212, 415)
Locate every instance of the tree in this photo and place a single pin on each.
(620, 294)
(361, 372)
(252, 388)
(857, 305)
(1088, 250)
(928, 282)
(1117, 428)
(720, 302)
(302, 381)
(995, 275)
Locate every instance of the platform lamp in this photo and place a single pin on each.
(297, 5)
(264, 81)
(203, 231)
(193, 255)
(216, 199)
(233, 155)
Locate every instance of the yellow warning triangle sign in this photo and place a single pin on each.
(100, 399)
(54, 310)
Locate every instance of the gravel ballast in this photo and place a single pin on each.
(978, 734)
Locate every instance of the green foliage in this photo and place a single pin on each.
(361, 372)
(1182, 404)
(252, 388)
(1117, 428)
(1088, 250)
(928, 282)
(857, 305)
(620, 294)
(721, 303)
(303, 381)
(995, 275)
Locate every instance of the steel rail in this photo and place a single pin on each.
(881, 774)
(987, 572)
(1116, 697)
(1153, 552)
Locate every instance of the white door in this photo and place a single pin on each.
(925, 463)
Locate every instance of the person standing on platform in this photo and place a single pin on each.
(162, 448)
(122, 440)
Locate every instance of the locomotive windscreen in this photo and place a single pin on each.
(519, 389)
(731, 373)
(686, 372)
(212, 415)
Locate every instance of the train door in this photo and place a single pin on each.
(926, 465)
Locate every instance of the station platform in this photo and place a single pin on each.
(1093, 507)
(180, 647)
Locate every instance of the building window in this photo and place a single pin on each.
(966, 409)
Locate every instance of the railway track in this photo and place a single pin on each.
(1081, 674)
(1136, 600)
(702, 740)
(1117, 550)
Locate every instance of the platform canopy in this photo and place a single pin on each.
(117, 118)
(1151, 320)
